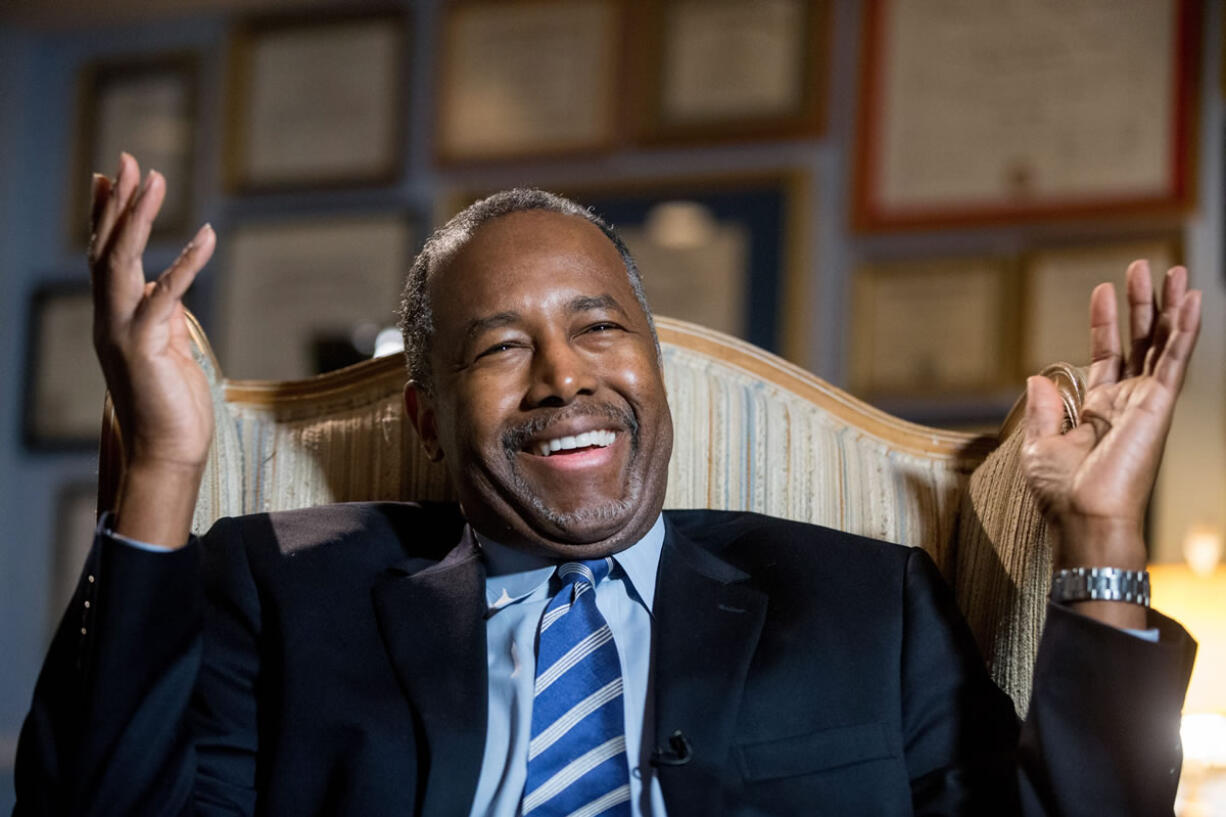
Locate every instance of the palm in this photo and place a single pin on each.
(1101, 471)
(180, 424)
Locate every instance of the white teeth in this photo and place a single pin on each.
(601, 439)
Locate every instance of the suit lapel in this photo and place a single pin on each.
(708, 620)
(431, 618)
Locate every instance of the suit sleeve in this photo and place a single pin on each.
(122, 720)
(1101, 736)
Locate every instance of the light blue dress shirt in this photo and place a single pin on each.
(517, 589)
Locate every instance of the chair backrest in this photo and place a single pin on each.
(753, 432)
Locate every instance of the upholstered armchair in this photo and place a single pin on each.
(753, 432)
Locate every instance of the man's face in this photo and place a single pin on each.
(548, 407)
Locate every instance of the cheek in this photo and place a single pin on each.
(643, 383)
(481, 411)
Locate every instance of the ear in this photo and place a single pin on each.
(421, 413)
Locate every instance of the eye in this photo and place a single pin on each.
(603, 326)
(498, 348)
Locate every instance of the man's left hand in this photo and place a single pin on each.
(1093, 482)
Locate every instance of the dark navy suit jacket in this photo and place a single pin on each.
(333, 661)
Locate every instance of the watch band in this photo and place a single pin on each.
(1101, 584)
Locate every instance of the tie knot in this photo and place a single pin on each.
(591, 571)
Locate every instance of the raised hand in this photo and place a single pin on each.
(1093, 482)
(161, 396)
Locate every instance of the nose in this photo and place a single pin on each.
(560, 373)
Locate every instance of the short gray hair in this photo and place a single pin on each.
(417, 317)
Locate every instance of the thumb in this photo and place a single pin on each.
(1044, 408)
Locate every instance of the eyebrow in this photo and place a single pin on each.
(479, 325)
(588, 303)
(583, 303)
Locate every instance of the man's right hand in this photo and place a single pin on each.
(161, 395)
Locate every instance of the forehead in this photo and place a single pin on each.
(528, 254)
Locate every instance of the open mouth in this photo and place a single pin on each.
(587, 441)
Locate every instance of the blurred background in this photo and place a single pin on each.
(910, 198)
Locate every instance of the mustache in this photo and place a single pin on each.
(515, 437)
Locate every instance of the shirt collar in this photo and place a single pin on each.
(512, 575)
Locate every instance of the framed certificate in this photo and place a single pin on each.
(147, 107)
(302, 296)
(1057, 284)
(924, 328)
(528, 77)
(726, 69)
(976, 112)
(317, 103)
(719, 251)
(64, 384)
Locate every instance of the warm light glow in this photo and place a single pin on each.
(1204, 738)
(1202, 548)
(1198, 602)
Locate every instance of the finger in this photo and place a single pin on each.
(122, 263)
(1142, 310)
(100, 191)
(1105, 354)
(122, 189)
(1172, 364)
(1174, 287)
(1044, 409)
(171, 285)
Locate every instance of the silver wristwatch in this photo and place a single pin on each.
(1101, 584)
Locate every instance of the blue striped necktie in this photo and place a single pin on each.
(577, 756)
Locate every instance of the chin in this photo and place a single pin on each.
(590, 531)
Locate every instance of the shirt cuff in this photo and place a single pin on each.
(152, 548)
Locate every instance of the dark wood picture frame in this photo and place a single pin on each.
(1000, 324)
(601, 95)
(872, 212)
(165, 140)
(64, 387)
(293, 286)
(660, 32)
(1120, 250)
(346, 117)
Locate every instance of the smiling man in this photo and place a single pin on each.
(557, 645)
(535, 376)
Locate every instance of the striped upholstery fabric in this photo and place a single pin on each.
(753, 432)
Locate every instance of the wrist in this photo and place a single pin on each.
(156, 502)
(1098, 542)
